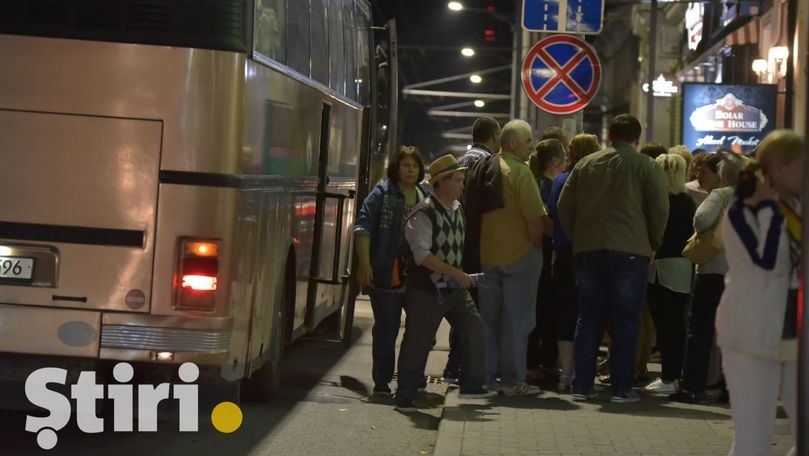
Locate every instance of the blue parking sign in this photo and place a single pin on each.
(584, 17)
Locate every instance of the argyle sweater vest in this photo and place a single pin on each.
(447, 245)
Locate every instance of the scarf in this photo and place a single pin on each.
(794, 226)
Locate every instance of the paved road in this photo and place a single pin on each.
(551, 424)
(323, 409)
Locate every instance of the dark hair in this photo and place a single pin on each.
(698, 151)
(653, 150)
(555, 133)
(712, 162)
(546, 150)
(484, 129)
(748, 178)
(624, 128)
(401, 153)
(696, 164)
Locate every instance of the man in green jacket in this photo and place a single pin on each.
(615, 207)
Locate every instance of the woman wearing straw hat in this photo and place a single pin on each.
(437, 287)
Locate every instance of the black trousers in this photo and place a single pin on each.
(542, 347)
(425, 310)
(566, 294)
(708, 290)
(668, 309)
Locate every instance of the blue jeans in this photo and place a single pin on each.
(612, 287)
(387, 307)
(508, 307)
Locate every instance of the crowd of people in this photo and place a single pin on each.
(539, 253)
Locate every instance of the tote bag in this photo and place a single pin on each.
(705, 246)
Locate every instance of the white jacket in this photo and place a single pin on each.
(750, 317)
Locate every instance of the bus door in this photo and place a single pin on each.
(328, 273)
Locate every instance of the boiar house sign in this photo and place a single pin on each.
(735, 117)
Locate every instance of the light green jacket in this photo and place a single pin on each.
(616, 200)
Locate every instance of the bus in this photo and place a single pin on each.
(179, 179)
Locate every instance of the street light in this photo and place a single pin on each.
(476, 79)
(468, 52)
(479, 103)
(455, 6)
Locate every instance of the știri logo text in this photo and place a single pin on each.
(226, 416)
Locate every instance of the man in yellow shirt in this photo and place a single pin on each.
(511, 256)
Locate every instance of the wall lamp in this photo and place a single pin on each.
(778, 60)
(760, 67)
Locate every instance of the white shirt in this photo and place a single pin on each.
(697, 193)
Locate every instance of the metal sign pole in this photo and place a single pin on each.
(650, 101)
(803, 328)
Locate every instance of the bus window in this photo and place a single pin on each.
(349, 29)
(363, 80)
(298, 36)
(337, 70)
(205, 24)
(320, 44)
(270, 36)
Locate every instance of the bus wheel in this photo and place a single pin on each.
(266, 381)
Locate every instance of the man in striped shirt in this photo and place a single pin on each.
(485, 139)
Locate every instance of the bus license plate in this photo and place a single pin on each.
(16, 267)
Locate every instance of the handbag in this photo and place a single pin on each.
(704, 246)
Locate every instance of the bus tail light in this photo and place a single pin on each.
(199, 282)
(198, 275)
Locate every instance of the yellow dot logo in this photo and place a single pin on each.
(226, 417)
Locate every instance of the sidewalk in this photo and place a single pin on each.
(553, 424)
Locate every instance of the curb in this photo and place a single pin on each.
(451, 427)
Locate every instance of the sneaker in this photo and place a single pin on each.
(625, 397)
(520, 390)
(476, 393)
(581, 397)
(450, 380)
(495, 387)
(660, 386)
(423, 387)
(382, 389)
(684, 396)
(405, 405)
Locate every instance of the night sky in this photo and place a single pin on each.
(430, 39)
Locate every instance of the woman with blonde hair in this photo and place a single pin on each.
(564, 282)
(709, 283)
(756, 322)
(682, 150)
(670, 276)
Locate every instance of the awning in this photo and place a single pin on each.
(746, 34)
